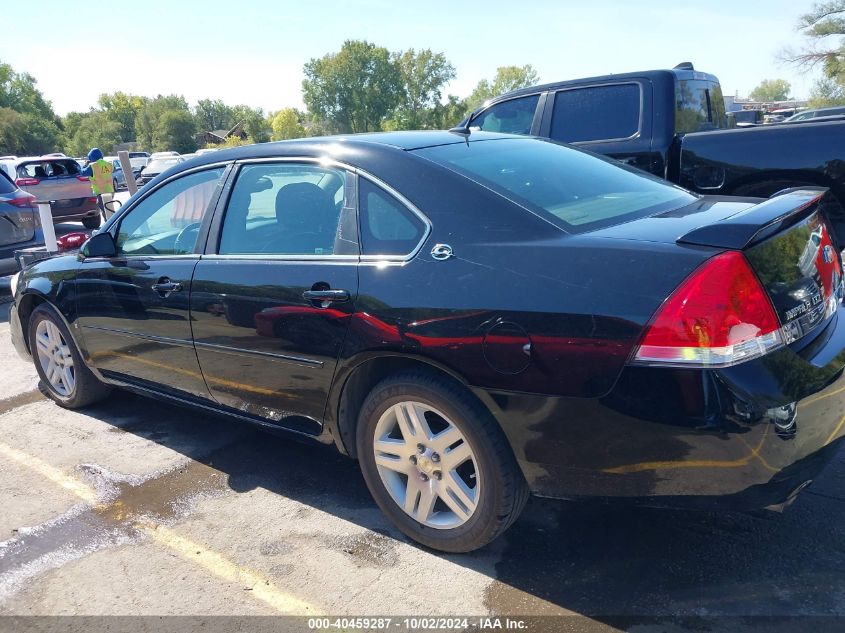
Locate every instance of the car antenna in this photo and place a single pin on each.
(462, 130)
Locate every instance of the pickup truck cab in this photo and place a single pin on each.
(673, 124)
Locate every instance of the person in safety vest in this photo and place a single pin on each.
(99, 172)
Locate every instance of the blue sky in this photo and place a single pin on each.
(252, 51)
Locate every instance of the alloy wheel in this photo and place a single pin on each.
(55, 358)
(427, 465)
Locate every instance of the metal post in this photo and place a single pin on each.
(46, 215)
(126, 164)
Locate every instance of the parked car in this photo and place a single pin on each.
(672, 123)
(157, 155)
(471, 316)
(745, 118)
(19, 224)
(60, 181)
(139, 160)
(814, 114)
(118, 177)
(156, 166)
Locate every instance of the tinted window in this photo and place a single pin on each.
(511, 117)
(574, 189)
(388, 227)
(692, 106)
(597, 113)
(167, 221)
(288, 209)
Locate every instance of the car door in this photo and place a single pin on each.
(134, 308)
(272, 299)
(608, 119)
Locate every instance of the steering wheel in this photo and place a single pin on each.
(191, 229)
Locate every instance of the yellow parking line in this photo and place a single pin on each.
(214, 562)
(838, 428)
(81, 490)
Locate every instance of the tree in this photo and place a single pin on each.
(827, 92)
(11, 132)
(771, 90)
(354, 89)
(33, 129)
(824, 26)
(123, 109)
(175, 130)
(286, 124)
(213, 115)
(95, 129)
(147, 119)
(423, 76)
(256, 126)
(507, 78)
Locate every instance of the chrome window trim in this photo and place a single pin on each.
(354, 171)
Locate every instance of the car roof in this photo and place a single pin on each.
(679, 74)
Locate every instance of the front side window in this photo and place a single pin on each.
(596, 113)
(388, 227)
(289, 209)
(167, 222)
(510, 117)
(571, 188)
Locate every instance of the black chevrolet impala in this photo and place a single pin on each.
(472, 317)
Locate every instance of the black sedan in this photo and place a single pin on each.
(472, 317)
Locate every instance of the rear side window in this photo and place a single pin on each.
(388, 227)
(699, 106)
(49, 169)
(509, 117)
(596, 113)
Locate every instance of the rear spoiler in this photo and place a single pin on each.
(756, 223)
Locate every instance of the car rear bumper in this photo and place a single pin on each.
(85, 209)
(8, 263)
(741, 437)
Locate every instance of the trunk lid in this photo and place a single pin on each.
(58, 180)
(787, 241)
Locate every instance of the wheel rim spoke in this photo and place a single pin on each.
(428, 474)
(55, 357)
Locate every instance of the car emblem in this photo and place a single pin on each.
(441, 252)
(827, 254)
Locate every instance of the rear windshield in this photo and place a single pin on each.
(138, 155)
(576, 190)
(6, 185)
(49, 169)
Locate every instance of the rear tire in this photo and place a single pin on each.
(64, 375)
(92, 222)
(456, 476)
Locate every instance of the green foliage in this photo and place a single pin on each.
(256, 126)
(175, 130)
(353, 90)
(507, 78)
(27, 124)
(824, 27)
(286, 124)
(771, 90)
(827, 92)
(147, 119)
(123, 109)
(94, 130)
(424, 74)
(213, 115)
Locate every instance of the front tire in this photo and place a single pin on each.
(64, 376)
(92, 222)
(437, 464)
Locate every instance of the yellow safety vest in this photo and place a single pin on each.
(101, 181)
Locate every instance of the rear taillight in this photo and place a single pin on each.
(26, 200)
(27, 182)
(719, 316)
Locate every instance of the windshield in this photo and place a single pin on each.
(158, 166)
(574, 189)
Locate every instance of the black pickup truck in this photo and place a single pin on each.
(672, 123)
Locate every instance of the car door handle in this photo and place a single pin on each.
(326, 296)
(164, 286)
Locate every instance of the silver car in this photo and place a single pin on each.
(19, 225)
(58, 180)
